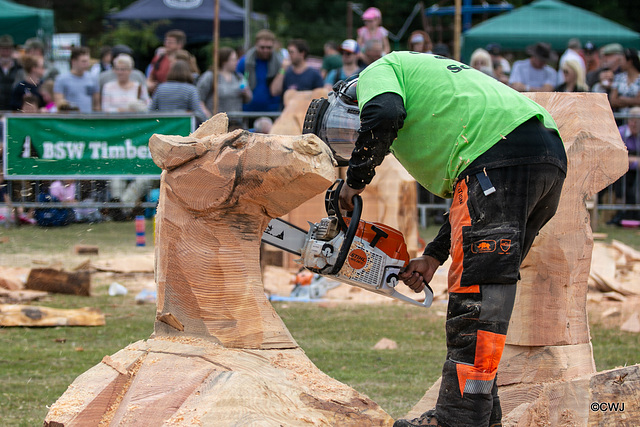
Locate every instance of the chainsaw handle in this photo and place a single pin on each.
(332, 204)
(349, 234)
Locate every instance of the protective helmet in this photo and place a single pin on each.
(336, 120)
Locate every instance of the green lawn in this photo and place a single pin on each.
(37, 364)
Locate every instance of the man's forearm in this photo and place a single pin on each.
(440, 247)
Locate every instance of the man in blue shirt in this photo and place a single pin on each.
(77, 88)
(260, 65)
(298, 75)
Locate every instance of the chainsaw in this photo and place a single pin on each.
(368, 255)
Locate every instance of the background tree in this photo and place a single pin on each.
(314, 20)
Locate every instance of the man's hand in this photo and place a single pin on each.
(419, 271)
(346, 197)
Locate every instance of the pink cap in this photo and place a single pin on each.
(371, 14)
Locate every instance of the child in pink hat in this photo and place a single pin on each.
(373, 29)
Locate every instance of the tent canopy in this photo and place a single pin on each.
(194, 17)
(549, 21)
(24, 22)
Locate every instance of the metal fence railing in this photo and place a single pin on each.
(619, 201)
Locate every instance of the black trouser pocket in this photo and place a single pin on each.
(491, 255)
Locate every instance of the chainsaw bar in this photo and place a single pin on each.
(285, 236)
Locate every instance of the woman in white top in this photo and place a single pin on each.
(123, 94)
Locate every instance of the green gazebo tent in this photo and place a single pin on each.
(550, 21)
(23, 22)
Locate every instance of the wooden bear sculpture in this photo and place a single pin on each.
(220, 355)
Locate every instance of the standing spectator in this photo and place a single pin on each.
(625, 91)
(481, 61)
(46, 90)
(627, 186)
(349, 49)
(35, 47)
(123, 94)
(373, 30)
(332, 59)
(110, 75)
(604, 83)
(9, 69)
(232, 89)
(574, 51)
(77, 87)
(495, 50)
(174, 40)
(298, 75)
(371, 52)
(574, 77)
(34, 71)
(185, 56)
(178, 93)
(419, 41)
(612, 58)
(260, 65)
(591, 57)
(104, 63)
(534, 74)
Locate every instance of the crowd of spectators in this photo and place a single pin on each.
(256, 80)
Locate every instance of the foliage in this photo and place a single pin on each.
(317, 21)
(142, 38)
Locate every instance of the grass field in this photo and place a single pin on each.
(37, 364)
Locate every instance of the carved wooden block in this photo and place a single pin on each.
(220, 355)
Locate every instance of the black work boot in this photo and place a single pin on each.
(426, 419)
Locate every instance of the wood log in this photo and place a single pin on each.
(30, 315)
(551, 303)
(548, 338)
(86, 249)
(615, 394)
(195, 382)
(58, 281)
(20, 296)
(220, 355)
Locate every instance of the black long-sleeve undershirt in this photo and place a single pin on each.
(380, 120)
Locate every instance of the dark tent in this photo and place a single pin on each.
(194, 17)
(550, 21)
(24, 22)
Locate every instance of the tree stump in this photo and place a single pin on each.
(220, 355)
(548, 344)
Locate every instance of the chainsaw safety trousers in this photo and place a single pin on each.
(494, 218)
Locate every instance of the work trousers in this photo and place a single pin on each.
(495, 216)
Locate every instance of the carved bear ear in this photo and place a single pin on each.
(215, 126)
(170, 151)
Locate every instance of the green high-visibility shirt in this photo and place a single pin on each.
(454, 113)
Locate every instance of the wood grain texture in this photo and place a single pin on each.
(181, 381)
(551, 303)
(220, 355)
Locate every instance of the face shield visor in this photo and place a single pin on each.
(336, 120)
